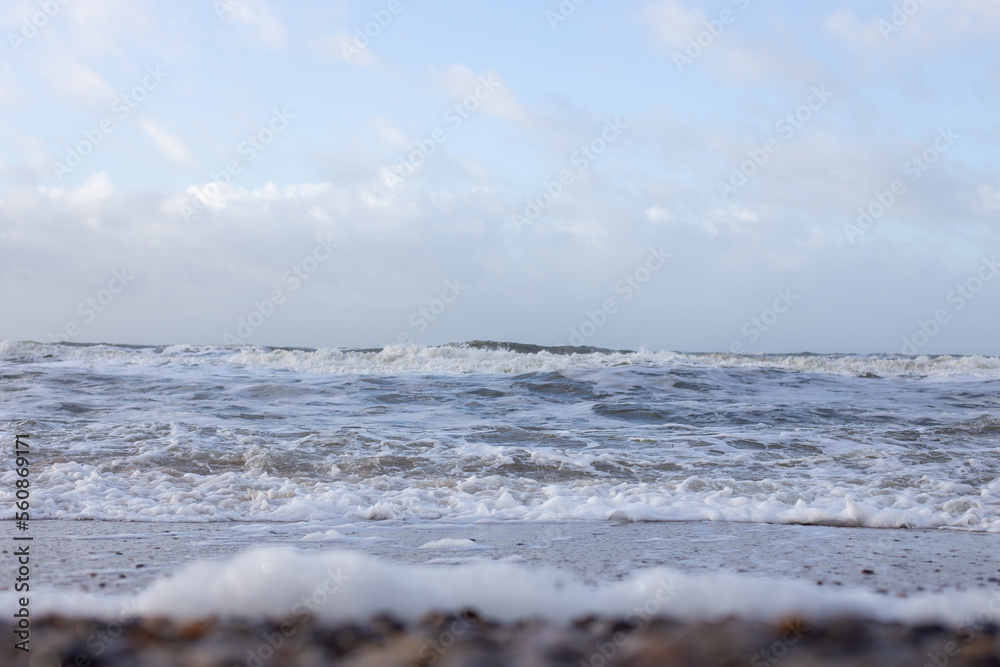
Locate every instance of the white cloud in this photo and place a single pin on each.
(319, 215)
(341, 45)
(722, 45)
(391, 134)
(73, 80)
(173, 147)
(486, 89)
(734, 220)
(845, 25)
(89, 196)
(673, 23)
(97, 27)
(199, 276)
(256, 14)
(475, 169)
(932, 26)
(659, 215)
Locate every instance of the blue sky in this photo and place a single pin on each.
(254, 190)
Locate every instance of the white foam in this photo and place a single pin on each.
(463, 359)
(73, 490)
(335, 587)
(326, 536)
(451, 544)
(456, 359)
(228, 434)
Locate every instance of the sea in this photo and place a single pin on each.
(487, 433)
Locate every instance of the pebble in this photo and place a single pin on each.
(466, 639)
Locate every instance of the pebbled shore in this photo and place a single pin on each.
(466, 640)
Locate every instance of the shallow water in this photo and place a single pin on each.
(486, 431)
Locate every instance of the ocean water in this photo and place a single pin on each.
(502, 432)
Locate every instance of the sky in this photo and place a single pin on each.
(724, 176)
